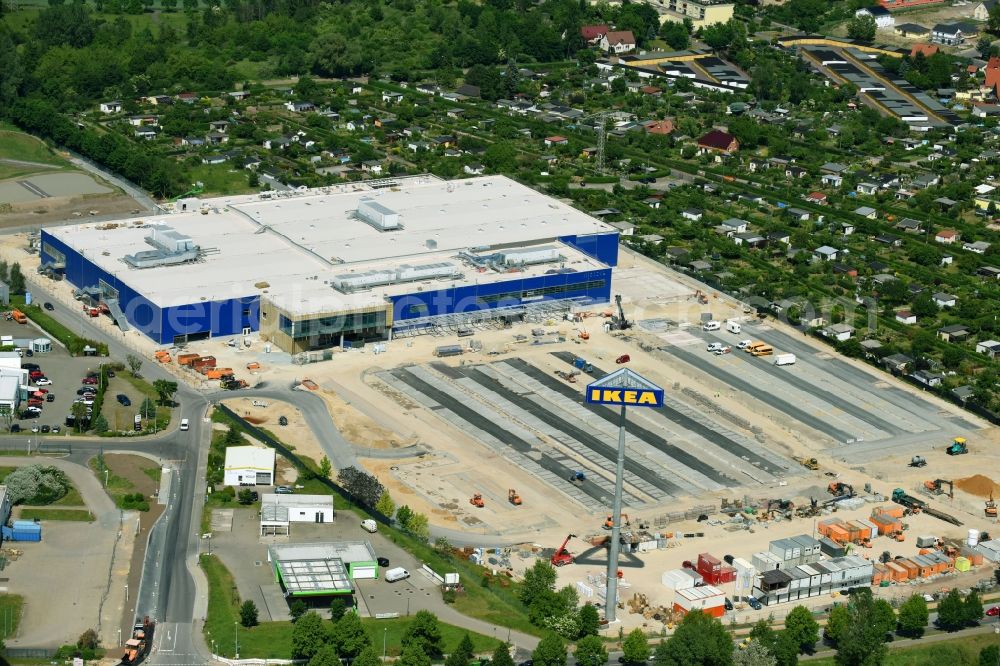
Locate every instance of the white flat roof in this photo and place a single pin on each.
(257, 458)
(294, 242)
(347, 551)
(298, 501)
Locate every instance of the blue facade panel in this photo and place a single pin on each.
(595, 285)
(603, 247)
(219, 318)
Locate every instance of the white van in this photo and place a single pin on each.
(733, 326)
(184, 424)
(711, 326)
(399, 573)
(369, 525)
(784, 359)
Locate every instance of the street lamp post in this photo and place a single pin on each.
(237, 639)
(385, 634)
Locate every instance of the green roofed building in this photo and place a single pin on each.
(322, 569)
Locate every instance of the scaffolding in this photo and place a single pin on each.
(494, 318)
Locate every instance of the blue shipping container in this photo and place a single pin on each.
(26, 530)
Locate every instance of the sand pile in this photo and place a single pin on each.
(979, 485)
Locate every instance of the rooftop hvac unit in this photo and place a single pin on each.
(432, 244)
(381, 217)
(527, 256)
(167, 239)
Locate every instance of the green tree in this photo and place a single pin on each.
(762, 633)
(16, 280)
(973, 608)
(883, 616)
(337, 609)
(635, 647)
(165, 390)
(754, 654)
(233, 436)
(913, 616)
(551, 651)
(862, 27)
(100, 424)
(951, 611)
(863, 641)
(675, 34)
(88, 640)
(699, 640)
(786, 649)
(590, 651)
(989, 655)
(589, 620)
(308, 635)
(424, 632)
(245, 497)
(837, 623)
(368, 657)
(248, 614)
(298, 607)
(325, 468)
(994, 18)
(147, 409)
(350, 636)
(385, 504)
(461, 655)
(325, 656)
(418, 526)
(79, 412)
(541, 577)
(802, 628)
(923, 305)
(413, 655)
(134, 364)
(501, 656)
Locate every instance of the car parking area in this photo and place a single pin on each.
(244, 552)
(63, 374)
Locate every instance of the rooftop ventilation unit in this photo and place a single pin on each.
(528, 256)
(171, 248)
(349, 282)
(379, 216)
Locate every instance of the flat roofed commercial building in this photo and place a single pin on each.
(320, 569)
(318, 268)
(248, 466)
(701, 13)
(277, 512)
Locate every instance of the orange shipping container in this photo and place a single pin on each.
(864, 532)
(715, 611)
(896, 572)
(187, 359)
(912, 570)
(894, 511)
(165, 358)
(838, 534)
(974, 556)
(253, 366)
(217, 373)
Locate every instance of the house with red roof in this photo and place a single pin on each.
(926, 49)
(718, 141)
(659, 126)
(618, 41)
(592, 33)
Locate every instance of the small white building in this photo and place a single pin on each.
(883, 18)
(278, 511)
(249, 466)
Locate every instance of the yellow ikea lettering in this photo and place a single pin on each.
(631, 397)
(647, 398)
(612, 396)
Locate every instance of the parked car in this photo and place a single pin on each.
(55, 429)
(123, 400)
(48, 306)
(86, 389)
(89, 380)
(43, 381)
(283, 490)
(993, 612)
(382, 561)
(754, 604)
(30, 366)
(34, 428)
(35, 374)
(714, 346)
(46, 428)
(15, 427)
(50, 397)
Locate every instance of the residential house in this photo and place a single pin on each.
(555, 141)
(989, 347)
(779, 237)
(832, 180)
(186, 97)
(911, 30)
(866, 211)
(718, 141)
(662, 127)
(947, 236)
(825, 253)
(750, 239)
(906, 317)
(925, 180)
(218, 138)
(846, 228)
(111, 107)
(474, 169)
(898, 363)
(693, 214)
(160, 100)
(219, 126)
(883, 19)
(193, 141)
(277, 143)
(468, 90)
(797, 214)
(390, 97)
(981, 12)
(927, 378)
(889, 239)
(909, 225)
(979, 247)
(143, 121)
(795, 172)
(867, 188)
(844, 269)
(300, 107)
(756, 165)
(948, 34)
(816, 198)
(883, 278)
(984, 110)
(592, 34)
(833, 167)
(734, 225)
(989, 272)
(944, 300)
(839, 332)
(417, 146)
(953, 333)
(373, 167)
(624, 228)
(239, 95)
(618, 41)
(146, 133)
(655, 239)
(926, 50)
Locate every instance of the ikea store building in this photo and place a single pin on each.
(324, 267)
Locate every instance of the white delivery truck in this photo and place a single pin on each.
(733, 326)
(399, 573)
(711, 326)
(369, 525)
(784, 359)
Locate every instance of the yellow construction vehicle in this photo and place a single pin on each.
(808, 463)
(513, 497)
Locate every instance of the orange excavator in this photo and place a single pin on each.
(610, 523)
(477, 501)
(513, 497)
(562, 556)
(991, 507)
(137, 647)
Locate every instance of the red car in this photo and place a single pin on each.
(993, 612)
(89, 380)
(35, 374)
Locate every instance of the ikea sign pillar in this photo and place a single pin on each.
(622, 388)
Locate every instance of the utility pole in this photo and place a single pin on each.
(601, 140)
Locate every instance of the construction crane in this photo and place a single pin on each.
(620, 323)
(477, 501)
(958, 447)
(991, 507)
(513, 497)
(562, 556)
(935, 487)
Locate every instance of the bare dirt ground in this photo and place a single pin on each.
(357, 426)
(296, 434)
(59, 209)
(927, 17)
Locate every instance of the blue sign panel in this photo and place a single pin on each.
(624, 387)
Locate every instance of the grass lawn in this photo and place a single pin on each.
(163, 413)
(10, 614)
(959, 651)
(20, 146)
(116, 486)
(71, 499)
(220, 179)
(274, 639)
(153, 473)
(8, 171)
(79, 515)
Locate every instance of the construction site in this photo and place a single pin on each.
(479, 422)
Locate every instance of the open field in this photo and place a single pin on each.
(15, 145)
